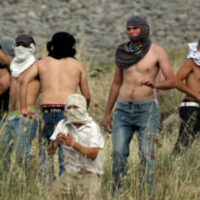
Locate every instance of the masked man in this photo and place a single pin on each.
(137, 65)
(19, 131)
(190, 106)
(82, 141)
(6, 55)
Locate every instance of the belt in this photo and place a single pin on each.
(189, 104)
(52, 107)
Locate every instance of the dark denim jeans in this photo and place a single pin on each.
(189, 127)
(48, 122)
(18, 133)
(129, 117)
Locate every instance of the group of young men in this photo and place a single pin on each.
(77, 136)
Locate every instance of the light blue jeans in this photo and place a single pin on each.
(18, 133)
(130, 117)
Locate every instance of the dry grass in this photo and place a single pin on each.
(177, 177)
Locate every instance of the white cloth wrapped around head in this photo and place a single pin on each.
(77, 114)
(24, 55)
(194, 53)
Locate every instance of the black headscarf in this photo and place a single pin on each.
(124, 57)
(61, 45)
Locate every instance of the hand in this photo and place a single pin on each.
(51, 148)
(107, 123)
(148, 82)
(69, 140)
(26, 112)
(60, 139)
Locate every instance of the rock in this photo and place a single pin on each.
(101, 23)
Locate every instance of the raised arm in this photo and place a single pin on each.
(84, 88)
(181, 75)
(114, 91)
(29, 75)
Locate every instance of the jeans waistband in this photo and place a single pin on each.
(52, 108)
(137, 102)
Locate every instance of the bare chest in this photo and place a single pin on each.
(145, 67)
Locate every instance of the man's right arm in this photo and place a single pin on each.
(5, 60)
(114, 91)
(24, 79)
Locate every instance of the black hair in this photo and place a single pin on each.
(61, 45)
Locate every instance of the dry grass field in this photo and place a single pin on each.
(177, 177)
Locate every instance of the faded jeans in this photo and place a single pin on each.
(18, 133)
(129, 117)
(47, 125)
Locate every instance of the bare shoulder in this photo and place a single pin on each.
(75, 63)
(158, 49)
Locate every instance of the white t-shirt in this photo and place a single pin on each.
(88, 135)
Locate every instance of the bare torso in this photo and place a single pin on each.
(59, 78)
(131, 89)
(193, 80)
(32, 95)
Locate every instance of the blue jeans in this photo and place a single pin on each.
(129, 117)
(47, 125)
(18, 133)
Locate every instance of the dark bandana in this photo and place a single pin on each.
(129, 53)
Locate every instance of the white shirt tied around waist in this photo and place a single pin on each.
(88, 135)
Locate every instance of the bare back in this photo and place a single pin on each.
(131, 89)
(59, 78)
(33, 92)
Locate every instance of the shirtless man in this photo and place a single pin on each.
(60, 75)
(17, 129)
(190, 106)
(6, 56)
(137, 65)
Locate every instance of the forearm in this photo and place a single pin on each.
(185, 89)
(114, 91)
(90, 152)
(165, 85)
